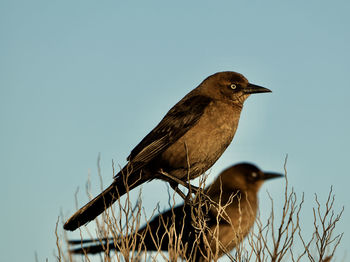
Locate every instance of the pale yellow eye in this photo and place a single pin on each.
(254, 175)
(233, 86)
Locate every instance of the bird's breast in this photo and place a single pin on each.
(241, 215)
(205, 142)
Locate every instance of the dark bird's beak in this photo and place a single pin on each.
(253, 89)
(271, 175)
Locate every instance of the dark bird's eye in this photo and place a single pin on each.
(233, 86)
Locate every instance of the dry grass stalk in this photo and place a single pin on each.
(272, 240)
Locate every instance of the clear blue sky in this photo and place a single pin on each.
(79, 78)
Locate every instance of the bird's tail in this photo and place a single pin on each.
(92, 246)
(105, 245)
(91, 210)
(169, 227)
(152, 237)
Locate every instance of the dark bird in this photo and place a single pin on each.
(186, 142)
(229, 218)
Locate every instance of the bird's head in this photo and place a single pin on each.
(244, 177)
(230, 86)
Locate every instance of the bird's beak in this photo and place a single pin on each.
(253, 89)
(271, 175)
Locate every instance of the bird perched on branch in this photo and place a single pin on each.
(200, 232)
(186, 143)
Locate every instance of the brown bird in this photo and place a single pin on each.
(186, 142)
(235, 190)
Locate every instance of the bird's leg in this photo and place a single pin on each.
(174, 186)
(178, 181)
(187, 198)
(174, 182)
(172, 178)
(189, 186)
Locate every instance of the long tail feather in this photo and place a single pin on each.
(104, 200)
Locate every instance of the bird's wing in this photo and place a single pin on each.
(174, 125)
